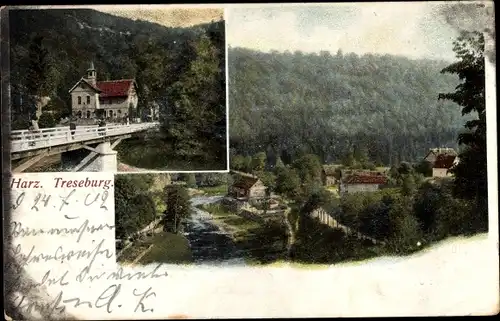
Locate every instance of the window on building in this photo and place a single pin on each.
(79, 100)
(88, 100)
(110, 113)
(79, 114)
(88, 113)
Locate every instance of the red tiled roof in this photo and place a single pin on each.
(444, 161)
(115, 88)
(366, 179)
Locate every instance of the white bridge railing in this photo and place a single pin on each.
(24, 140)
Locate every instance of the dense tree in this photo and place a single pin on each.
(409, 185)
(189, 178)
(424, 167)
(144, 206)
(238, 162)
(58, 107)
(405, 228)
(471, 172)
(328, 105)
(316, 199)
(287, 182)
(309, 169)
(267, 178)
(46, 120)
(279, 163)
(38, 82)
(211, 179)
(178, 206)
(197, 104)
(134, 207)
(259, 161)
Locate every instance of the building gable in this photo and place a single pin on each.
(84, 85)
(430, 157)
(248, 182)
(258, 184)
(434, 153)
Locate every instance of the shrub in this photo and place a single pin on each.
(46, 120)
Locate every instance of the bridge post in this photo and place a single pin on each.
(106, 160)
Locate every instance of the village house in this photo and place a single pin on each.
(328, 175)
(112, 100)
(247, 187)
(362, 182)
(442, 160)
(443, 164)
(435, 152)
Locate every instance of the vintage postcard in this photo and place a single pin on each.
(362, 174)
(114, 88)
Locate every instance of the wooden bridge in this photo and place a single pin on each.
(35, 145)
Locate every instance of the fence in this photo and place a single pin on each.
(23, 140)
(325, 218)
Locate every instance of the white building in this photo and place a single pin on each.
(111, 99)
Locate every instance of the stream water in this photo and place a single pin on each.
(209, 244)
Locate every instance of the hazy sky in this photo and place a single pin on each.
(167, 15)
(415, 30)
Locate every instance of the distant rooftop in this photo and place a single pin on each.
(365, 179)
(444, 161)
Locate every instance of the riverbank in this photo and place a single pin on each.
(153, 153)
(257, 243)
(166, 248)
(214, 190)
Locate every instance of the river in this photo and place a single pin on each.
(209, 243)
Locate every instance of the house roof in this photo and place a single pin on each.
(365, 179)
(441, 151)
(363, 172)
(86, 82)
(245, 182)
(444, 161)
(115, 88)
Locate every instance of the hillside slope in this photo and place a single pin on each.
(291, 103)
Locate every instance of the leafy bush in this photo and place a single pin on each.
(189, 178)
(211, 179)
(46, 120)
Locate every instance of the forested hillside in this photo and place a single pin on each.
(181, 69)
(288, 104)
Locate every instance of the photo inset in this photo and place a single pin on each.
(118, 89)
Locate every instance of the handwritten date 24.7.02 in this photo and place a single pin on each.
(43, 200)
